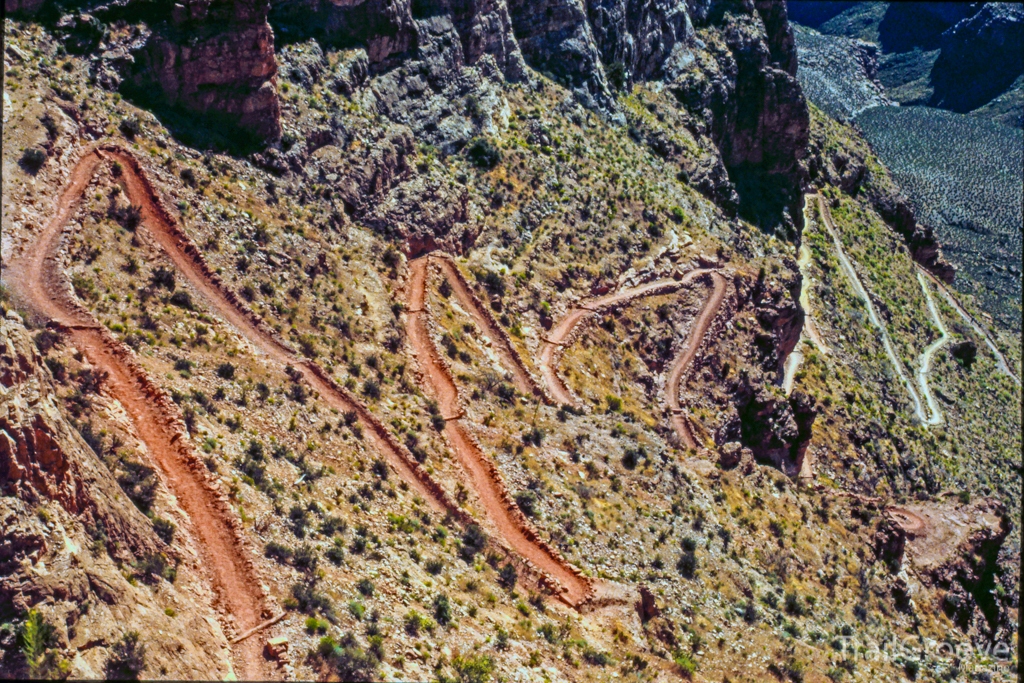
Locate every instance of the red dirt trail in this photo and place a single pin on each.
(566, 330)
(37, 277)
(502, 513)
(682, 361)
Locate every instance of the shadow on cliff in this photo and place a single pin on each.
(207, 132)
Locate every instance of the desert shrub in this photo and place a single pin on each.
(182, 299)
(595, 657)
(306, 598)
(473, 668)
(162, 277)
(687, 564)
(442, 609)
(434, 566)
(164, 528)
(306, 558)
(130, 127)
(37, 644)
(127, 658)
(473, 541)
(685, 663)
(346, 660)
(139, 483)
(416, 622)
(278, 551)
(46, 340)
(793, 604)
(226, 371)
(508, 575)
(154, 567)
(336, 553)
(33, 159)
(527, 502)
(365, 587)
(483, 153)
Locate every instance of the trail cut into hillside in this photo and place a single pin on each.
(876, 320)
(37, 276)
(809, 331)
(569, 328)
(502, 513)
(1004, 366)
(522, 378)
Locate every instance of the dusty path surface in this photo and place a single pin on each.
(682, 361)
(567, 328)
(502, 513)
(37, 277)
(925, 361)
(876, 320)
(810, 329)
(561, 335)
(521, 377)
(1004, 367)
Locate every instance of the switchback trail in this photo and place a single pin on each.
(1004, 367)
(503, 515)
(925, 361)
(567, 329)
(521, 376)
(876, 320)
(37, 276)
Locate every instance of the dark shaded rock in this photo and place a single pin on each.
(647, 607)
(964, 77)
(215, 59)
(890, 542)
(965, 351)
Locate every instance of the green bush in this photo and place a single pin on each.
(442, 609)
(483, 153)
(36, 642)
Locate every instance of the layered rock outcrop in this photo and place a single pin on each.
(73, 543)
(214, 58)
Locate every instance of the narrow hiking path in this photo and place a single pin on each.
(682, 361)
(925, 361)
(37, 276)
(1001, 362)
(568, 328)
(522, 378)
(809, 331)
(502, 514)
(876, 320)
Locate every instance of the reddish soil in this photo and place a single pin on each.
(504, 517)
(909, 521)
(565, 331)
(37, 277)
(680, 422)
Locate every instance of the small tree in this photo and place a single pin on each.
(35, 639)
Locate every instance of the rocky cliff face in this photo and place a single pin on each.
(214, 58)
(73, 544)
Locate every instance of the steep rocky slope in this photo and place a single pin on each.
(411, 503)
(964, 57)
(75, 548)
